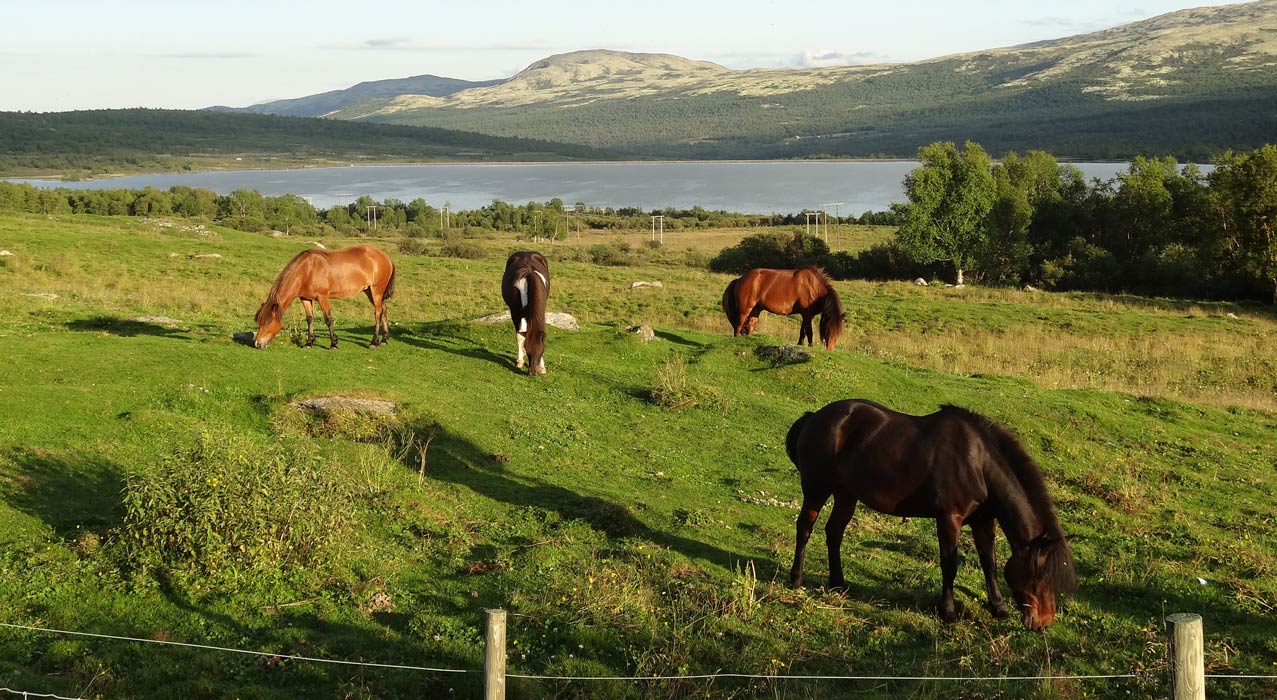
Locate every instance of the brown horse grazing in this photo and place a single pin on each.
(525, 287)
(319, 275)
(807, 291)
(953, 465)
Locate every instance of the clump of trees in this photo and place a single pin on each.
(1157, 228)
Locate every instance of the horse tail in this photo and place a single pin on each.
(731, 304)
(791, 438)
(390, 283)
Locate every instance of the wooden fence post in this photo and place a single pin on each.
(1188, 666)
(494, 655)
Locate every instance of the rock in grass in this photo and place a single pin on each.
(553, 318)
(920, 282)
(325, 405)
(784, 354)
(639, 284)
(643, 333)
(156, 319)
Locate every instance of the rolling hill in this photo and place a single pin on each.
(325, 102)
(1191, 83)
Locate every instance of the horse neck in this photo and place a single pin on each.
(287, 286)
(1015, 511)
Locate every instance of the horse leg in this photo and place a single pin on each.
(751, 321)
(839, 517)
(309, 306)
(328, 319)
(983, 533)
(806, 523)
(520, 338)
(948, 528)
(376, 317)
(805, 331)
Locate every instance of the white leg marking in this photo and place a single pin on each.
(520, 338)
(523, 325)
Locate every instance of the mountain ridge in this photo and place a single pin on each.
(1219, 60)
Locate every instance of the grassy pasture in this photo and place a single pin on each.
(625, 537)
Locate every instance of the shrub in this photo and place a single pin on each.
(774, 250)
(462, 249)
(413, 246)
(229, 505)
(672, 389)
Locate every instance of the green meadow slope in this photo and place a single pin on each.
(624, 535)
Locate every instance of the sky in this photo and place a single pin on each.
(58, 55)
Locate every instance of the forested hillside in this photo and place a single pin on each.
(89, 142)
(1192, 84)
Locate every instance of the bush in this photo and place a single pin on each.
(775, 250)
(462, 249)
(229, 505)
(1086, 266)
(614, 254)
(413, 246)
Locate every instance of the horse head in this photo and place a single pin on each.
(1037, 573)
(269, 320)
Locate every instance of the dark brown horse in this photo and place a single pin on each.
(953, 465)
(807, 291)
(319, 275)
(525, 287)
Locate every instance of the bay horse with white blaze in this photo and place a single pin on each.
(953, 465)
(807, 291)
(525, 287)
(320, 275)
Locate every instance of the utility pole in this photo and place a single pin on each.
(826, 206)
(658, 220)
(445, 216)
(371, 209)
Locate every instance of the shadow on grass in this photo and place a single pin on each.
(445, 336)
(69, 493)
(129, 328)
(464, 464)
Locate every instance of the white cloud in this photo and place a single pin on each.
(823, 58)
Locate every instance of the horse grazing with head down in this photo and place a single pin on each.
(525, 287)
(807, 291)
(953, 465)
(320, 275)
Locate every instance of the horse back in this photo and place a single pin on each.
(342, 273)
(894, 462)
(781, 291)
(531, 267)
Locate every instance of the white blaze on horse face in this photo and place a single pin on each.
(523, 328)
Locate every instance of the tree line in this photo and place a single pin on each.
(1156, 229)
(249, 210)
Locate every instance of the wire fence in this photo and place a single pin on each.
(657, 678)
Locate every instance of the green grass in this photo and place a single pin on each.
(625, 537)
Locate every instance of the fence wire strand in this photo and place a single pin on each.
(523, 676)
(29, 694)
(293, 657)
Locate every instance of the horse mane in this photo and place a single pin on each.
(277, 287)
(831, 314)
(731, 305)
(1052, 546)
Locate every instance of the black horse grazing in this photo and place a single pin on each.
(525, 287)
(955, 466)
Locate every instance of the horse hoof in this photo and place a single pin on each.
(999, 611)
(372, 346)
(948, 616)
(332, 347)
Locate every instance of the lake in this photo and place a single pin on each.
(754, 187)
